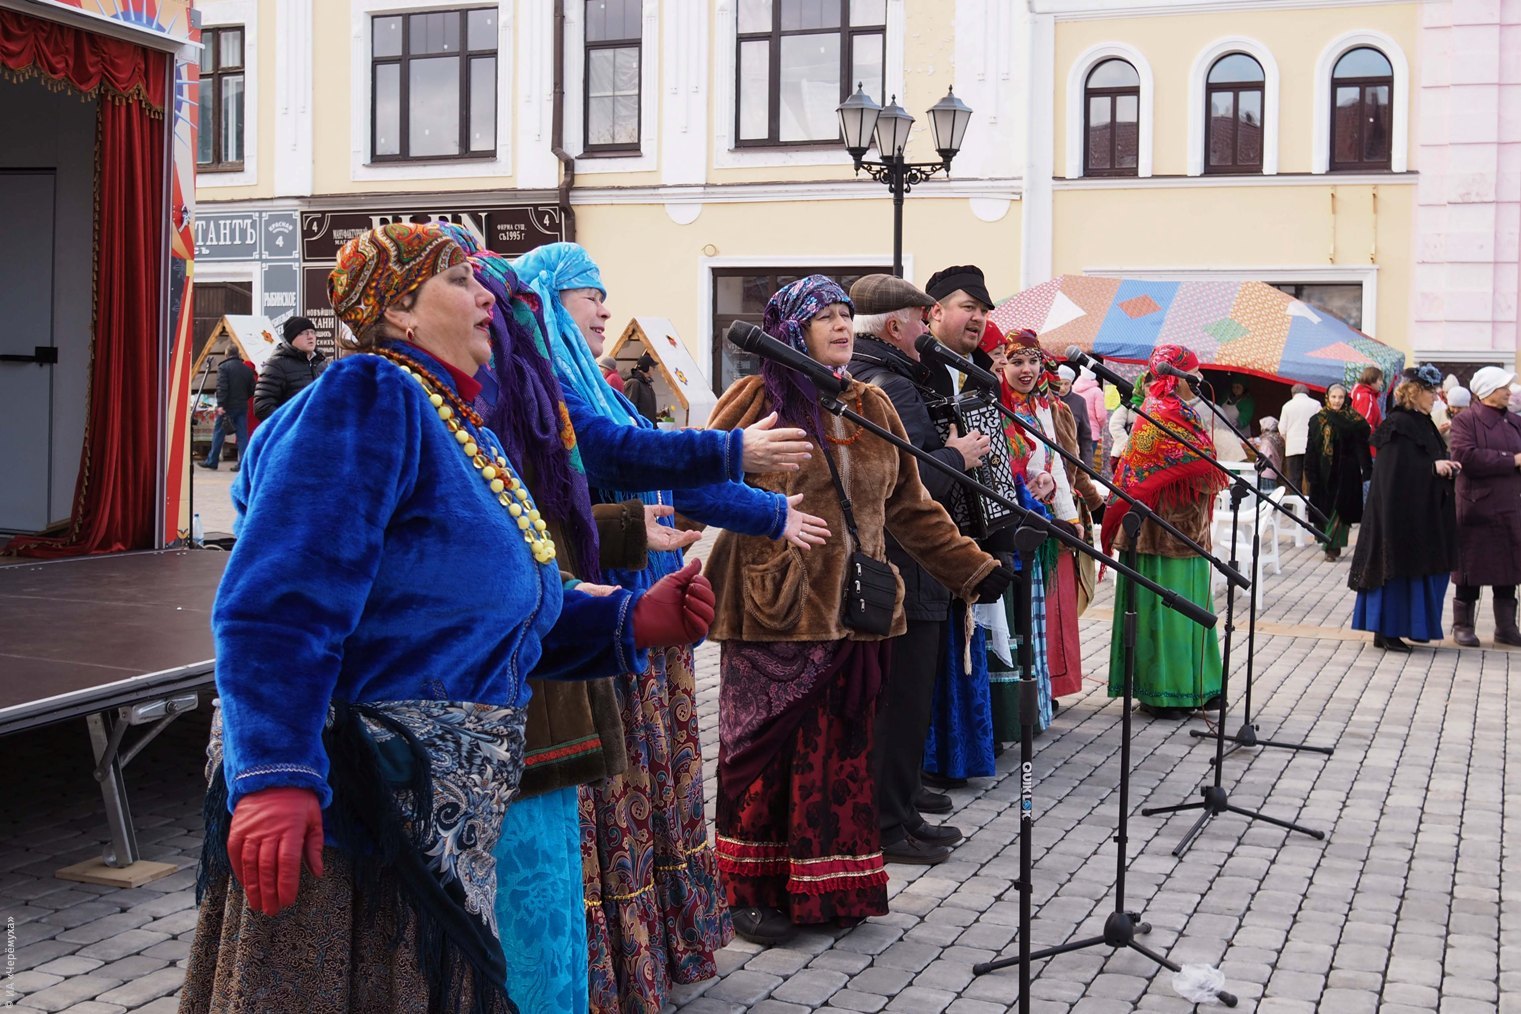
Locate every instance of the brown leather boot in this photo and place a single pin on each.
(1462, 624)
(1505, 623)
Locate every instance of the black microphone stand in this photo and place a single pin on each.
(1121, 927)
(190, 439)
(1247, 737)
(1215, 799)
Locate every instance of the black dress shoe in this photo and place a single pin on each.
(1169, 714)
(764, 926)
(938, 834)
(926, 801)
(1213, 704)
(910, 850)
(1390, 644)
(209, 468)
(935, 781)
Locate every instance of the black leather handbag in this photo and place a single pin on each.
(871, 589)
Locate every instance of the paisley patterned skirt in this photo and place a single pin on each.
(654, 909)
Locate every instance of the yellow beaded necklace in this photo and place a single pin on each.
(510, 491)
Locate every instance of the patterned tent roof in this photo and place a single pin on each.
(1247, 327)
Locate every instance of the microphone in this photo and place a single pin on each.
(931, 349)
(1169, 370)
(1077, 357)
(757, 342)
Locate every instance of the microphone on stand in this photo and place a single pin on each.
(757, 342)
(1077, 357)
(930, 348)
(1169, 370)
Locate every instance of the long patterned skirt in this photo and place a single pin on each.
(1177, 662)
(960, 741)
(654, 910)
(802, 837)
(1064, 652)
(1003, 662)
(539, 904)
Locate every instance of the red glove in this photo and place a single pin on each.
(677, 610)
(271, 831)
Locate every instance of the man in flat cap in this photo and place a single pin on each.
(890, 315)
(957, 319)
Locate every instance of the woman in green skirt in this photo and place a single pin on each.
(1177, 663)
(1337, 462)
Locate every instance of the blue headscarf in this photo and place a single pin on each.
(788, 312)
(548, 271)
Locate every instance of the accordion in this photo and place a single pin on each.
(974, 514)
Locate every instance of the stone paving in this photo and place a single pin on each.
(1409, 904)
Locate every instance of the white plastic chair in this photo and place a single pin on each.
(1300, 510)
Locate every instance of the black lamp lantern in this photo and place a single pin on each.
(893, 126)
(858, 120)
(948, 121)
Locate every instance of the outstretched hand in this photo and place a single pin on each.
(661, 538)
(803, 530)
(774, 450)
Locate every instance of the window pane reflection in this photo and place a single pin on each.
(754, 82)
(388, 110)
(809, 88)
(232, 118)
(483, 104)
(433, 106)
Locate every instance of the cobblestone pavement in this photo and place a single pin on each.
(1410, 904)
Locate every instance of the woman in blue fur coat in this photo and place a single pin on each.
(392, 586)
(654, 908)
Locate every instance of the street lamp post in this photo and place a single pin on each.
(861, 118)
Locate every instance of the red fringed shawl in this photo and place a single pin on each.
(1157, 469)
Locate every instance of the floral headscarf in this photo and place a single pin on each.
(788, 312)
(1153, 384)
(378, 267)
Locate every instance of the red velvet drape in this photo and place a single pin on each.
(114, 496)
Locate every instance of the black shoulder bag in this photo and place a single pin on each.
(871, 590)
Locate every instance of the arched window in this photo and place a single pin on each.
(1362, 86)
(1111, 120)
(1234, 115)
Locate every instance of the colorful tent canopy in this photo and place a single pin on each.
(1246, 327)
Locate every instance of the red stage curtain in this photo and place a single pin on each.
(115, 493)
(33, 47)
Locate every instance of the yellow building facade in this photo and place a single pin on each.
(690, 144)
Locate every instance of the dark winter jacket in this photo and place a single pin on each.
(642, 393)
(286, 372)
(235, 386)
(1409, 529)
(877, 363)
(1336, 479)
(1485, 442)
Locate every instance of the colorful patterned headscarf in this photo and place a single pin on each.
(788, 312)
(1154, 384)
(378, 267)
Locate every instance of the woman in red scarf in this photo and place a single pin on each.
(1177, 664)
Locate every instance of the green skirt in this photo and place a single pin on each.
(1177, 662)
(1337, 531)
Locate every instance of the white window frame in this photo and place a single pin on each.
(361, 13)
(1399, 142)
(726, 156)
(649, 94)
(1077, 80)
(242, 14)
(1365, 275)
(1198, 114)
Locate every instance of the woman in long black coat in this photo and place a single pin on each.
(1407, 545)
(1486, 442)
(1336, 463)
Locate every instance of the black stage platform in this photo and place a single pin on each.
(121, 640)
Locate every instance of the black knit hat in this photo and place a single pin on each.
(294, 326)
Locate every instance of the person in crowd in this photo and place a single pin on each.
(609, 367)
(1365, 396)
(1337, 462)
(1028, 391)
(1242, 403)
(1270, 453)
(1458, 401)
(290, 368)
(235, 388)
(378, 740)
(1078, 406)
(798, 838)
(1098, 416)
(1294, 423)
(1177, 663)
(956, 320)
(1486, 444)
(1408, 544)
(1229, 448)
(654, 908)
(1121, 421)
(640, 387)
(890, 316)
(1087, 495)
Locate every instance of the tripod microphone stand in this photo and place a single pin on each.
(1122, 926)
(1247, 736)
